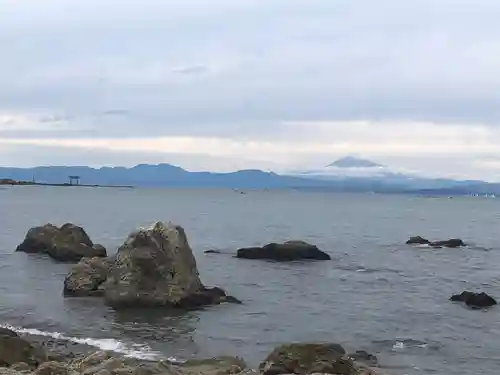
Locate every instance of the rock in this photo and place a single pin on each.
(288, 251)
(155, 267)
(365, 357)
(86, 277)
(418, 241)
(474, 300)
(21, 367)
(51, 368)
(452, 242)
(212, 252)
(68, 243)
(9, 371)
(308, 359)
(14, 349)
(213, 366)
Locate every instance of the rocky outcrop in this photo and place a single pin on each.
(15, 350)
(288, 251)
(474, 300)
(213, 366)
(69, 243)
(309, 359)
(87, 277)
(451, 243)
(155, 267)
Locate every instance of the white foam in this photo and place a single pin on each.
(139, 351)
(398, 345)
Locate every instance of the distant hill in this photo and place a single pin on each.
(353, 175)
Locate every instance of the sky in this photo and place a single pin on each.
(278, 85)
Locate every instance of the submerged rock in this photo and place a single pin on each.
(474, 300)
(212, 251)
(155, 267)
(288, 251)
(15, 350)
(451, 243)
(69, 243)
(365, 357)
(86, 278)
(308, 359)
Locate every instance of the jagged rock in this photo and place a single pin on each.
(69, 243)
(14, 349)
(474, 300)
(308, 359)
(288, 251)
(86, 277)
(452, 242)
(365, 357)
(155, 267)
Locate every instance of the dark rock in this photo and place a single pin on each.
(451, 243)
(474, 300)
(86, 277)
(365, 357)
(155, 267)
(307, 359)
(288, 251)
(418, 241)
(15, 349)
(212, 252)
(51, 368)
(68, 243)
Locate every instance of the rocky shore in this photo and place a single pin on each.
(38, 355)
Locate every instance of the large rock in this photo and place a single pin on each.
(288, 251)
(308, 358)
(474, 300)
(69, 243)
(15, 349)
(155, 267)
(86, 278)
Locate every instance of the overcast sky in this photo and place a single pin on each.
(278, 85)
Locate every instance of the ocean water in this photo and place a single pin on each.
(377, 294)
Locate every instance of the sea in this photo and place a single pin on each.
(376, 294)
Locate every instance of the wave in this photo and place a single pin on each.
(139, 351)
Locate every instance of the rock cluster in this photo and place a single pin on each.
(155, 267)
(452, 242)
(288, 251)
(474, 300)
(69, 243)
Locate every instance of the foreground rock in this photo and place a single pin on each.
(155, 267)
(213, 366)
(451, 243)
(69, 243)
(474, 300)
(15, 350)
(311, 359)
(288, 251)
(87, 277)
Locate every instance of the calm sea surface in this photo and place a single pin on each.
(377, 294)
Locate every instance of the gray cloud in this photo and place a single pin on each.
(237, 69)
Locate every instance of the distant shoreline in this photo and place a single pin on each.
(9, 182)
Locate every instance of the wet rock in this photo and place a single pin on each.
(69, 243)
(288, 251)
(418, 241)
(451, 243)
(365, 357)
(155, 267)
(212, 252)
(474, 300)
(86, 277)
(308, 359)
(15, 349)
(213, 366)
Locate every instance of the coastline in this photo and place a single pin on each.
(9, 182)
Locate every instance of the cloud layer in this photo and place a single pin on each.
(282, 84)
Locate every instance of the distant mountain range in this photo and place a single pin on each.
(347, 174)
